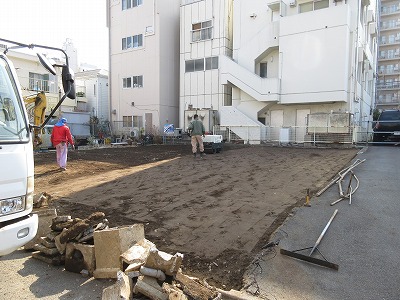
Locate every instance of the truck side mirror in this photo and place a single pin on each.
(68, 81)
(46, 64)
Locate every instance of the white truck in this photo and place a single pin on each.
(79, 124)
(17, 223)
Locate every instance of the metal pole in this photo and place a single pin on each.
(323, 232)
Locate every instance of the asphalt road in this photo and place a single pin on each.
(23, 277)
(363, 239)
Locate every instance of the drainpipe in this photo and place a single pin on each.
(356, 57)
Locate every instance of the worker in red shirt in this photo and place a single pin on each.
(60, 138)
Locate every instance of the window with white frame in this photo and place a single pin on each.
(130, 42)
(39, 82)
(137, 81)
(132, 82)
(313, 5)
(126, 4)
(201, 64)
(201, 31)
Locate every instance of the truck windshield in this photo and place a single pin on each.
(12, 119)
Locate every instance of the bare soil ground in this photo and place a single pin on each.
(218, 211)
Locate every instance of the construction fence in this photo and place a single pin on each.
(356, 134)
(316, 134)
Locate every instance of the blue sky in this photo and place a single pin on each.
(51, 22)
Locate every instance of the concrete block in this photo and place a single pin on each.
(174, 293)
(51, 235)
(73, 231)
(165, 262)
(158, 274)
(149, 287)
(136, 255)
(122, 289)
(55, 260)
(45, 218)
(45, 250)
(194, 288)
(237, 295)
(80, 257)
(47, 243)
(60, 246)
(110, 243)
(60, 222)
(105, 272)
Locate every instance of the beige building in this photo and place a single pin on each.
(34, 79)
(388, 85)
(144, 65)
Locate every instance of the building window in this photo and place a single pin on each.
(39, 82)
(127, 82)
(201, 31)
(263, 70)
(313, 5)
(211, 63)
(132, 82)
(135, 41)
(202, 64)
(127, 121)
(137, 81)
(137, 121)
(126, 4)
(189, 66)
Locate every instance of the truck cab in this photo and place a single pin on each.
(17, 223)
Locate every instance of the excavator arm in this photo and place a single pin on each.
(39, 113)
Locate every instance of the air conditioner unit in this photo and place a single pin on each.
(292, 3)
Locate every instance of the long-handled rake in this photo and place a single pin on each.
(309, 258)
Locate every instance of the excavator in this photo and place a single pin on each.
(38, 111)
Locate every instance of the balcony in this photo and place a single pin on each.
(389, 10)
(40, 85)
(388, 101)
(388, 85)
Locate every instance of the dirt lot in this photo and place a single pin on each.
(218, 211)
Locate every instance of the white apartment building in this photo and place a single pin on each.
(388, 85)
(144, 65)
(92, 93)
(267, 63)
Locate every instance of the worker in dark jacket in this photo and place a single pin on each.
(197, 131)
(60, 138)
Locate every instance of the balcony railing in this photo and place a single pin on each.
(42, 85)
(388, 85)
(388, 101)
(387, 10)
